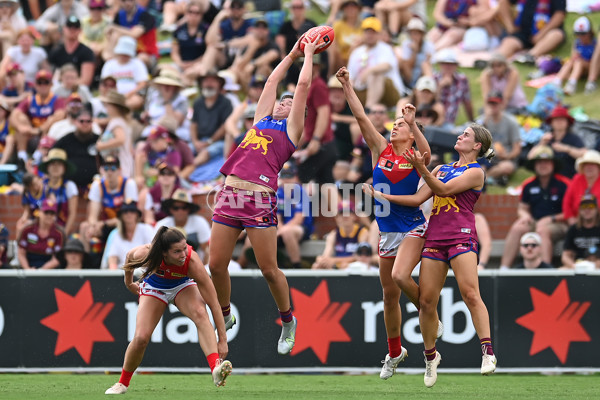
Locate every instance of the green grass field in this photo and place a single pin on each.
(331, 387)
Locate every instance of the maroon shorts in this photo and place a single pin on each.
(446, 250)
(240, 208)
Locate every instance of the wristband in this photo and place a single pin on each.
(316, 139)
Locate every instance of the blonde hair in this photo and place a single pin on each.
(483, 136)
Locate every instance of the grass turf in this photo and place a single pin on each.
(331, 387)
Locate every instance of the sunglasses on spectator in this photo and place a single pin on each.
(5, 5)
(42, 82)
(530, 245)
(194, 12)
(112, 167)
(177, 208)
(85, 121)
(587, 206)
(297, 6)
(166, 172)
(96, 8)
(47, 212)
(377, 112)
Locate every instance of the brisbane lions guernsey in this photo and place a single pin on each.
(262, 153)
(394, 175)
(170, 276)
(452, 216)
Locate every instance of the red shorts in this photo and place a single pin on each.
(446, 250)
(240, 208)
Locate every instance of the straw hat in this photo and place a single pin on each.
(115, 98)
(589, 157)
(542, 153)
(181, 196)
(168, 78)
(57, 155)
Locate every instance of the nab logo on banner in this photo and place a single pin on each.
(319, 324)
(79, 322)
(555, 321)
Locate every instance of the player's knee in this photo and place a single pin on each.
(427, 304)
(471, 297)
(270, 274)
(141, 339)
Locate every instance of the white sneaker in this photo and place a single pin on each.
(288, 337)
(488, 364)
(590, 87)
(117, 388)
(229, 321)
(390, 364)
(431, 370)
(570, 88)
(221, 372)
(440, 330)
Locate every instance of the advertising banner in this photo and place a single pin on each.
(85, 320)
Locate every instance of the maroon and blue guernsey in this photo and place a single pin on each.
(452, 216)
(262, 153)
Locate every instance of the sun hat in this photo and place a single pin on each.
(446, 56)
(582, 25)
(426, 83)
(588, 199)
(560, 112)
(542, 153)
(416, 24)
(115, 98)
(371, 23)
(127, 46)
(57, 154)
(231, 84)
(181, 196)
(168, 78)
(589, 157)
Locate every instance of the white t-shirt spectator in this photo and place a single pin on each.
(127, 75)
(31, 62)
(119, 246)
(196, 228)
(363, 57)
(124, 152)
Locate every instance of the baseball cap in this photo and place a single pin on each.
(495, 97)
(13, 67)
(73, 22)
(364, 249)
(43, 74)
(531, 236)
(48, 205)
(237, 4)
(288, 171)
(426, 83)
(371, 23)
(416, 24)
(96, 4)
(46, 142)
(258, 80)
(110, 160)
(261, 22)
(446, 56)
(250, 111)
(588, 199)
(158, 132)
(582, 25)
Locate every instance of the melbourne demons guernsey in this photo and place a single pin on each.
(262, 153)
(452, 216)
(170, 276)
(395, 172)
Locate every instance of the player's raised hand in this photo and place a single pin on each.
(343, 75)
(311, 45)
(408, 113)
(415, 157)
(296, 52)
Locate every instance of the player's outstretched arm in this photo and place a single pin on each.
(411, 200)
(375, 141)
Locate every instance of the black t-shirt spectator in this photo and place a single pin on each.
(267, 47)
(191, 47)
(210, 119)
(82, 54)
(567, 162)
(581, 240)
(82, 153)
(543, 202)
(292, 35)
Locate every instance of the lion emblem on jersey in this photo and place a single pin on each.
(441, 202)
(257, 139)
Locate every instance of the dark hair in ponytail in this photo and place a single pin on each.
(161, 243)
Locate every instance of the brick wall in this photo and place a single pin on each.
(500, 211)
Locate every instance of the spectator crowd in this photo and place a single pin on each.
(130, 107)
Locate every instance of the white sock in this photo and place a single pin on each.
(22, 154)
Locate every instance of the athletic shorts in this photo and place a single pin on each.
(390, 241)
(240, 208)
(446, 250)
(165, 295)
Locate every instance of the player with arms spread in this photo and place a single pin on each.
(171, 267)
(249, 201)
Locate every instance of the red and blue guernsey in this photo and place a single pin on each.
(395, 172)
(170, 276)
(262, 153)
(452, 216)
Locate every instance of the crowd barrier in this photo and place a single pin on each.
(83, 321)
